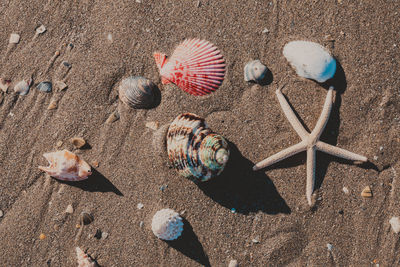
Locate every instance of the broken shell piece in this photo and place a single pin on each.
(152, 125)
(113, 117)
(44, 87)
(69, 209)
(233, 263)
(60, 86)
(310, 60)
(41, 29)
(395, 223)
(78, 142)
(167, 224)
(84, 260)
(367, 192)
(67, 166)
(138, 92)
(4, 84)
(86, 218)
(52, 105)
(254, 71)
(14, 38)
(22, 87)
(42, 236)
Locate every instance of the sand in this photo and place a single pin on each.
(272, 224)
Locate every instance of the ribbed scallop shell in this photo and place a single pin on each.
(255, 71)
(138, 92)
(196, 66)
(310, 60)
(194, 150)
(167, 224)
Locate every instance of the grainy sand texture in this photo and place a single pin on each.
(257, 218)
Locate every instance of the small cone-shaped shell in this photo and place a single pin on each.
(196, 66)
(22, 87)
(193, 150)
(367, 192)
(83, 259)
(78, 142)
(138, 92)
(67, 166)
(167, 224)
(310, 60)
(254, 71)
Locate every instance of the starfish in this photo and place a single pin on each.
(309, 142)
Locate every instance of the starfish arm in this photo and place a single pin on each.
(324, 117)
(339, 152)
(310, 173)
(292, 118)
(290, 151)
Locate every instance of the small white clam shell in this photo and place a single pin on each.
(14, 38)
(310, 60)
(167, 224)
(254, 71)
(40, 29)
(22, 87)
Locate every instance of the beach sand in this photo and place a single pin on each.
(272, 224)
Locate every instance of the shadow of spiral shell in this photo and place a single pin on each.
(243, 189)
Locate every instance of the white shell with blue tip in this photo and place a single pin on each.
(310, 60)
(167, 224)
(254, 71)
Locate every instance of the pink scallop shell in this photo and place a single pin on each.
(196, 66)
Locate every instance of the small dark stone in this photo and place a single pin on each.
(66, 64)
(341, 212)
(98, 234)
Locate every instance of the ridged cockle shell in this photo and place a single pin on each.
(194, 150)
(67, 166)
(138, 92)
(196, 66)
(310, 60)
(167, 224)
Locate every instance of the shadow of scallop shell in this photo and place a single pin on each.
(194, 150)
(139, 93)
(255, 71)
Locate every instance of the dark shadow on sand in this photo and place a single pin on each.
(189, 245)
(244, 190)
(96, 182)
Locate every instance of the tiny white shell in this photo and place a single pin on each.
(22, 87)
(83, 259)
(254, 71)
(395, 223)
(310, 60)
(40, 29)
(167, 224)
(14, 38)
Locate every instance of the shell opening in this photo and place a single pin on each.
(222, 156)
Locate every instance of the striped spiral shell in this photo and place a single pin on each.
(194, 150)
(138, 92)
